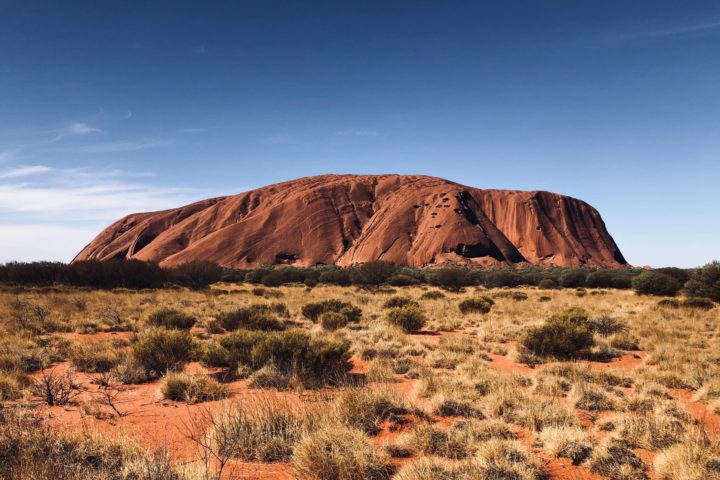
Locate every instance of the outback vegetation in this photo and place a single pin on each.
(371, 372)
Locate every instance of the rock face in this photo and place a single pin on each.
(348, 219)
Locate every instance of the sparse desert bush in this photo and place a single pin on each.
(559, 337)
(314, 310)
(697, 302)
(696, 457)
(130, 372)
(617, 462)
(395, 302)
(266, 432)
(295, 353)
(409, 318)
(366, 409)
(476, 305)
(655, 283)
(432, 295)
(254, 317)
(30, 449)
(569, 442)
(337, 452)
(504, 459)
(669, 303)
(269, 376)
(432, 469)
(181, 387)
(652, 432)
(625, 341)
(591, 397)
(452, 443)
(607, 325)
(94, 357)
(402, 280)
(160, 350)
(332, 321)
(171, 318)
(511, 294)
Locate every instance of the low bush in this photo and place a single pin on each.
(395, 302)
(159, 351)
(94, 357)
(340, 453)
(511, 294)
(254, 317)
(617, 462)
(547, 284)
(267, 432)
(313, 310)
(504, 459)
(476, 305)
(452, 279)
(573, 279)
(333, 320)
(697, 302)
(655, 283)
(559, 337)
(294, 353)
(432, 295)
(705, 282)
(409, 318)
(367, 409)
(171, 318)
(181, 387)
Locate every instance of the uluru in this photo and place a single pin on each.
(409, 220)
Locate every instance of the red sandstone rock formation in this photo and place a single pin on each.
(347, 219)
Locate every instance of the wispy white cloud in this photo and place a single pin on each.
(116, 147)
(25, 171)
(193, 130)
(357, 132)
(81, 129)
(84, 194)
(705, 27)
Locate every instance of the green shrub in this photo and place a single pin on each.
(394, 302)
(547, 284)
(478, 304)
(401, 280)
(705, 282)
(559, 337)
(372, 274)
(254, 317)
(432, 295)
(655, 283)
(574, 315)
(181, 387)
(160, 350)
(333, 320)
(669, 303)
(313, 310)
(513, 295)
(293, 352)
(573, 279)
(409, 318)
(172, 319)
(94, 357)
(452, 279)
(697, 302)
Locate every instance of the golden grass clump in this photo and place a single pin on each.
(181, 387)
(338, 452)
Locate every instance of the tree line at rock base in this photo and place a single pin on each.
(134, 274)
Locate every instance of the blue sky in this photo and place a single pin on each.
(107, 108)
